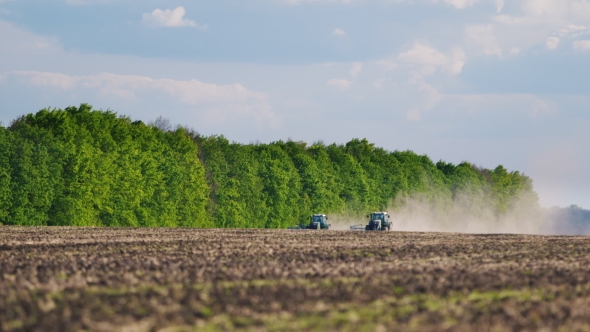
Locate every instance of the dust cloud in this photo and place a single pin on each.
(469, 212)
(342, 222)
(466, 214)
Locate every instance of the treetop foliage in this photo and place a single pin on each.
(78, 166)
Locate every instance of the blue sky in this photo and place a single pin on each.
(487, 81)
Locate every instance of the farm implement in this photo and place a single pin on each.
(378, 221)
(317, 221)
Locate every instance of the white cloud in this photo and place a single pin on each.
(552, 42)
(537, 19)
(261, 113)
(338, 32)
(388, 64)
(340, 83)
(86, 2)
(189, 92)
(356, 69)
(483, 34)
(433, 96)
(461, 4)
(188, 101)
(499, 5)
(76, 2)
(378, 84)
(582, 45)
(457, 60)
(573, 30)
(530, 104)
(431, 59)
(17, 41)
(170, 18)
(540, 107)
(423, 54)
(413, 115)
(299, 2)
(433, 100)
(546, 8)
(59, 80)
(217, 102)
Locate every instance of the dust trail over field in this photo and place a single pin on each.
(340, 222)
(472, 213)
(465, 215)
(468, 214)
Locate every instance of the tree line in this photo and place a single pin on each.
(569, 220)
(78, 166)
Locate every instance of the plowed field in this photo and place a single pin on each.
(60, 279)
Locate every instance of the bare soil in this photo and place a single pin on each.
(99, 279)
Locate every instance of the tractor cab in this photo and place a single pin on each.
(378, 221)
(319, 221)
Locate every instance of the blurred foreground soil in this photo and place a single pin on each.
(109, 279)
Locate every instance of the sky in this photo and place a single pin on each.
(491, 82)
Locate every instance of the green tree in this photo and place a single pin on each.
(6, 146)
(78, 166)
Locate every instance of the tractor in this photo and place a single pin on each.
(317, 221)
(378, 221)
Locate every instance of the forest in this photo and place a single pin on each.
(83, 167)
